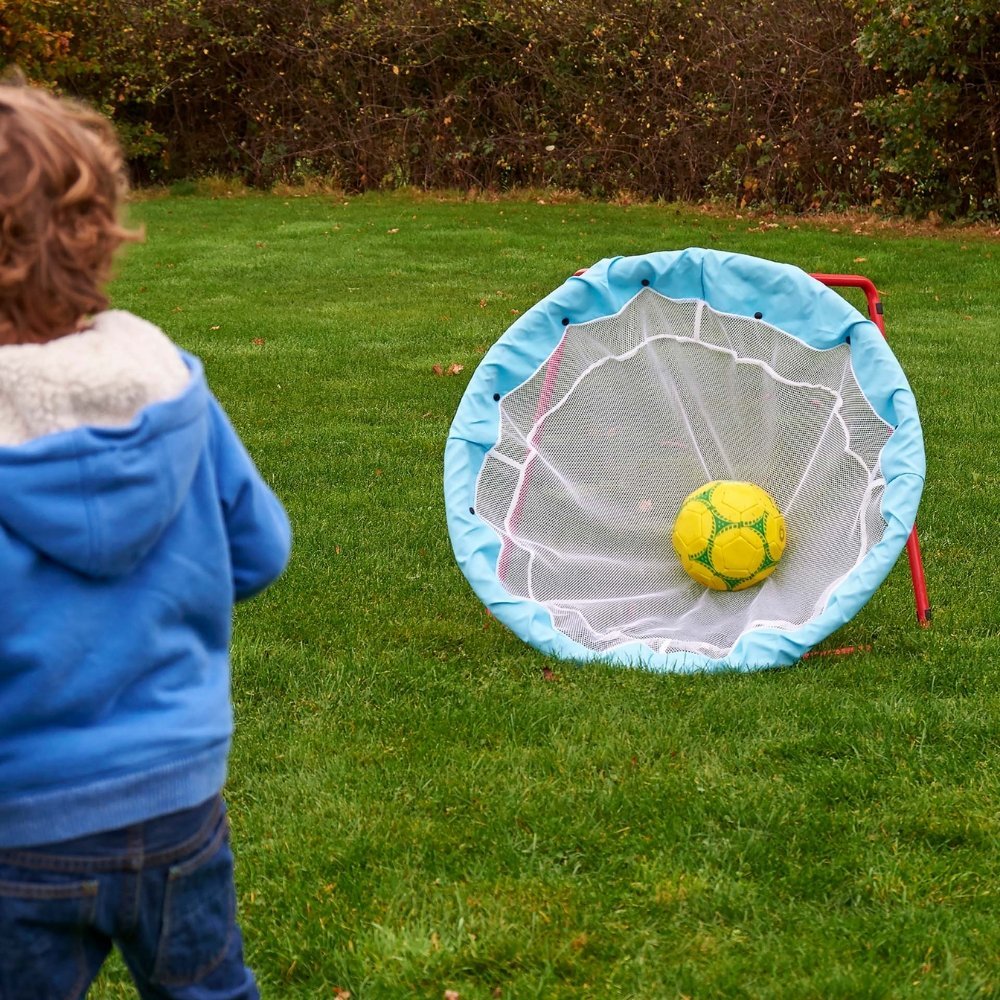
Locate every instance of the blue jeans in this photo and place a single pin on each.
(162, 891)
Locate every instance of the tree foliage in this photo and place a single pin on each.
(938, 118)
(803, 103)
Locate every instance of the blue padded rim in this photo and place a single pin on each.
(788, 298)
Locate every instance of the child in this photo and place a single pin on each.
(131, 519)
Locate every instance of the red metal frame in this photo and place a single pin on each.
(877, 312)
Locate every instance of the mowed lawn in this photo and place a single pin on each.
(418, 805)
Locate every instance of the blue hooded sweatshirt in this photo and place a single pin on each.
(122, 550)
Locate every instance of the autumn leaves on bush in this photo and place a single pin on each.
(799, 103)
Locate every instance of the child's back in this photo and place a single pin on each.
(131, 519)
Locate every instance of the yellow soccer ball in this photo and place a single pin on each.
(729, 535)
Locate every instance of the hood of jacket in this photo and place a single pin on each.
(122, 420)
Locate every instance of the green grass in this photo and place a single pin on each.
(416, 807)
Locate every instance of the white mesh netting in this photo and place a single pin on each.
(629, 414)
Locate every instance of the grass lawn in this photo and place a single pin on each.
(417, 807)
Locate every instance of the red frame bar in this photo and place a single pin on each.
(876, 312)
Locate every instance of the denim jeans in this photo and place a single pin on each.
(162, 891)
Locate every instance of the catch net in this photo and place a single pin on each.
(629, 414)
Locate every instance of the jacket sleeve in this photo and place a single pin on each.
(260, 536)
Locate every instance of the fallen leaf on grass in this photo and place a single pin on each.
(452, 369)
(392, 231)
(214, 328)
(339, 994)
(452, 995)
(550, 675)
(860, 260)
(258, 341)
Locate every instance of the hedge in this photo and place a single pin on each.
(798, 103)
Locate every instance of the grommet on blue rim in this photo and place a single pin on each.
(496, 397)
(758, 315)
(565, 321)
(645, 282)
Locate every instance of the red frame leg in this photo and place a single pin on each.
(876, 312)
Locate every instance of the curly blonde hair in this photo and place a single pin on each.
(62, 184)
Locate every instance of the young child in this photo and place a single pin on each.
(131, 519)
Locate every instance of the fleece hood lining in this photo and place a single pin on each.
(100, 377)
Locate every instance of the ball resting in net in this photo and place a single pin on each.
(597, 414)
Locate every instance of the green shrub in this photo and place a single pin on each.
(754, 101)
(938, 117)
